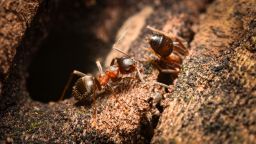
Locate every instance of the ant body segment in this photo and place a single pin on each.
(85, 86)
(169, 49)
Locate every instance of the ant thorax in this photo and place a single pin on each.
(112, 71)
(103, 79)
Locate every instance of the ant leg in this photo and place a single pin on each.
(180, 50)
(94, 118)
(75, 72)
(121, 51)
(169, 71)
(161, 84)
(169, 87)
(99, 67)
(111, 89)
(94, 104)
(179, 55)
(178, 46)
(156, 30)
(78, 73)
(140, 75)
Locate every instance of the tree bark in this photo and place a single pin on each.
(213, 98)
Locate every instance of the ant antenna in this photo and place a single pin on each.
(119, 39)
(75, 72)
(99, 66)
(115, 47)
(140, 75)
(121, 51)
(155, 30)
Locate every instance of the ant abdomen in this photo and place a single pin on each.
(84, 87)
(161, 45)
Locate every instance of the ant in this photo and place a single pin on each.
(169, 49)
(88, 84)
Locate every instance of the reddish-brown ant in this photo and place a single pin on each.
(87, 84)
(169, 49)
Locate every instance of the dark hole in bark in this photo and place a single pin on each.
(160, 107)
(146, 129)
(166, 79)
(71, 44)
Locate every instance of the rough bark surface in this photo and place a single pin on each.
(15, 16)
(213, 99)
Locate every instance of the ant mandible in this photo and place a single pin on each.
(169, 49)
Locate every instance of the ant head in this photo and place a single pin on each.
(161, 44)
(126, 63)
